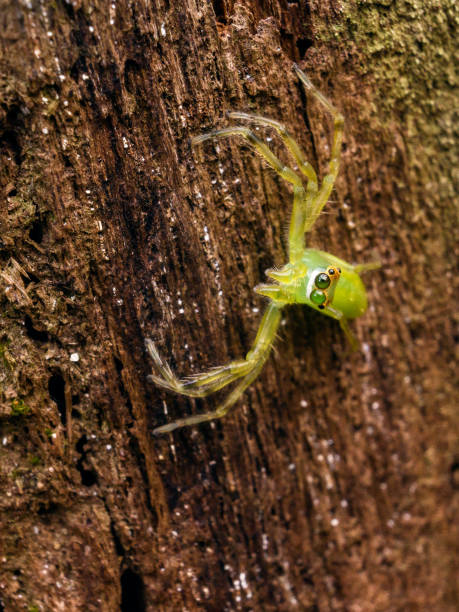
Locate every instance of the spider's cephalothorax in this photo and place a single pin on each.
(316, 278)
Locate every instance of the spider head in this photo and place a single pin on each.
(323, 286)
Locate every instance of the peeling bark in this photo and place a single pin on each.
(333, 485)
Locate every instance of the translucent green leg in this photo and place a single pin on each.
(302, 200)
(352, 339)
(301, 211)
(276, 293)
(214, 380)
(284, 171)
(222, 409)
(329, 180)
(366, 267)
(291, 144)
(200, 385)
(344, 324)
(287, 274)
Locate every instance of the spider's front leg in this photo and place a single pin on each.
(301, 197)
(258, 145)
(290, 143)
(203, 384)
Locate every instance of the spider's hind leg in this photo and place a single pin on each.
(367, 267)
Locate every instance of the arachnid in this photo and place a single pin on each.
(316, 278)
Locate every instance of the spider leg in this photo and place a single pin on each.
(288, 274)
(301, 199)
(291, 144)
(301, 212)
(222, 409)
(276, 293)
(206, 383)
(199, 385)
(366, 267)
(258, 145)
(329, 180)
(344, 324)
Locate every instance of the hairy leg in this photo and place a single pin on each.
(199, 385)
(206, 383)
(302, 200)
(258, 145)
(223, 408)
(366, 267)
(329, 180)
(291, 144)
(344, 324)
(287, 274)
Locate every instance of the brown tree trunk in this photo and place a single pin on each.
(333, 484)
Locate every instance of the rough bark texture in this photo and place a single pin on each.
(334, 484)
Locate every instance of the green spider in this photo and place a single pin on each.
(316, 278)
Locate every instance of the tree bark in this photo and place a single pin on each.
(333, 485)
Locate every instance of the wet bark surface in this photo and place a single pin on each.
(333, 484)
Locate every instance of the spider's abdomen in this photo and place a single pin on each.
(350, 295)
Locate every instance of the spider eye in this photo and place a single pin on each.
(317, 297)
(322, 281)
